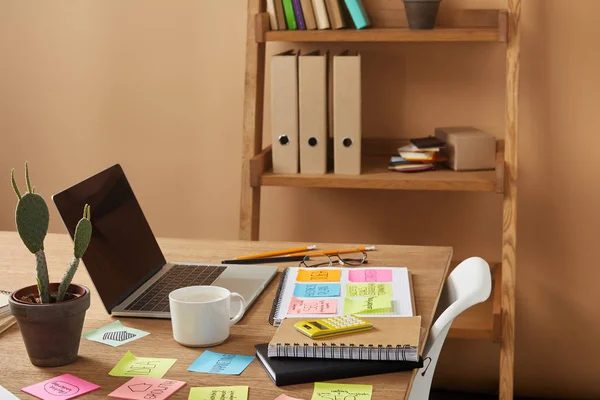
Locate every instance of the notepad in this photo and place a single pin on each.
(354, 284)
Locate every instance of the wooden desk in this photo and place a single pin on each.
(428, 265)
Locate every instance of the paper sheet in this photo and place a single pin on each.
(219, 393)
(62, 387)
(367, 305)
(370, 275)
(219, 363)
(6, 395)
(131, 365)
(115, 334)
(317, 289)
(319, 275)
(298, 306)
(368, 289)
(284, 396)
(335, 391)
(145, 388)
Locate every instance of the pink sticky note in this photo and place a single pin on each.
(146, 387)
(298, 306)
(370, 275)
(286, 397)
(62, 387)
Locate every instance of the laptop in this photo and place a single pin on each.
(126, 265)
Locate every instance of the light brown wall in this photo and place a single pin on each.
(158, 87)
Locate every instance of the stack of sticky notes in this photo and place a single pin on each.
(422, 154)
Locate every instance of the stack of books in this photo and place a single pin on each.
(316, 14)
(6, 319)
(422, 154)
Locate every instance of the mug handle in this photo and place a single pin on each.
(240, 313)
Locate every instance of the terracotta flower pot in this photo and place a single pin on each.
(51, 332)
(421, 14)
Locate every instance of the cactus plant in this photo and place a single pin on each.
(32, 219)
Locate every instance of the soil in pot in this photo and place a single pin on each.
(51, 332)
(421, 14)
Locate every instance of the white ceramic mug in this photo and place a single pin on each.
(200, 315)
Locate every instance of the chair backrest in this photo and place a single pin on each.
(470, 283)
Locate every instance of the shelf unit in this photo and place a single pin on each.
(492, 320)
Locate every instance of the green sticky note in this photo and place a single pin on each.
(367, 305)
(131, 365)
(219, 392)
(115, 334)
(368, 289)
(334, 391)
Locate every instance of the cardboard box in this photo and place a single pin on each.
(468, 149)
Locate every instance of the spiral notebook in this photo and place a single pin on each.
(332, 291)
(391, 339)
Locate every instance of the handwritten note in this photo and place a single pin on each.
(62, 387)
(368, 289)
(367, 305)
(219, 393)
(317, 290)
(131, 365)
(6, 395)
(338, 391)
(146, 388)
(284, 396)
(319, 275)
(298, 306)
(115, 334)
(219, 363)
(370, 275)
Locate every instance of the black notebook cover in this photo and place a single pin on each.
(291, 371)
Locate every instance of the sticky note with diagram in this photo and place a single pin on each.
(131, 365)
(62, 387)
(329, 391)
(144, 387)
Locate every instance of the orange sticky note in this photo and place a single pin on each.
(319, 275)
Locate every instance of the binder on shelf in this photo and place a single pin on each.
(391, 339)
(309, 14)
(312, 99)
(321, 14)
(335, 14)
(276, 15)
(299, 15)
(290, 19)
(284, 112)
(358, 14)
(347, 109)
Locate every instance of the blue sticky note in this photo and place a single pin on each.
(317, 290)
(219, 363)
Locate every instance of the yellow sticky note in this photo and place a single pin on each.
(131, 365)
(367, 305)
(331, 391)
(319, 275)
(219, 393)
(368, 289)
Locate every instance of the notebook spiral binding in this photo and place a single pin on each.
(328, 350)
(276, 301)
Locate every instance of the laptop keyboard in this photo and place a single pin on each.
(156, 297)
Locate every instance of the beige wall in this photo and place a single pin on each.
(158, 87)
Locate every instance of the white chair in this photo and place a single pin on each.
(470, 283)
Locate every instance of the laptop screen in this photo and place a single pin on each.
(123, 252)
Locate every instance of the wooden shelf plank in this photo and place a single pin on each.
(388, 35)
(483, 321)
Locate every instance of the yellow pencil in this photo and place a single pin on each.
(334, 252)
(278, 252)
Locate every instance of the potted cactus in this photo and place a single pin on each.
(50, 315)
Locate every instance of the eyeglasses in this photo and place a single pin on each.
(324, 260)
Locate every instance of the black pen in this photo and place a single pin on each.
(265, 260)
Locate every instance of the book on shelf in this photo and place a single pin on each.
(334, 11)
(292, 371)
(290, 18)
(309, 14)
(390, 339)
(321, 16)
(301, 24)
(276, 15)
(357, 13)
(422, 154)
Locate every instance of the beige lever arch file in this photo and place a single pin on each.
(347, 118)
(284, 112)
(312, 82)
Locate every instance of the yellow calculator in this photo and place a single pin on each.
(326, 327)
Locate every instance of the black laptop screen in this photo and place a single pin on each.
(123, 252)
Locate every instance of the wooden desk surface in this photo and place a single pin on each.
(428, 265)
